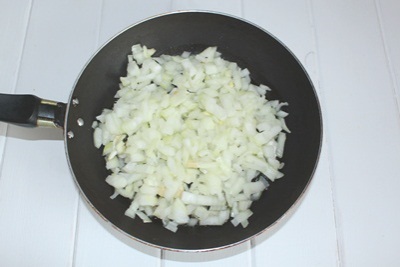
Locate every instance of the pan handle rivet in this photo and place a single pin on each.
(70, 134)
(75, 102)
(80, 122)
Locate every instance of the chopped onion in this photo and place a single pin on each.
(187, 136)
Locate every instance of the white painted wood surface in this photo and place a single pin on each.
(349, 216)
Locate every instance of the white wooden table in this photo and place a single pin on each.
(350, 215)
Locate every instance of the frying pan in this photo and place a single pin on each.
(269, 61)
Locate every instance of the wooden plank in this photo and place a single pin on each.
(14, 20)
(38, 203)
(300, 233)
(38, 197)
(363, 131)
(388, 17)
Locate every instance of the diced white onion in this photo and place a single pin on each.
(187, 136)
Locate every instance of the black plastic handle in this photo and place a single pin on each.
(31, 111)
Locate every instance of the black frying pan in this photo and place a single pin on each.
(269, 62)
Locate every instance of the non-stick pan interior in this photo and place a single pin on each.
(269, 62)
